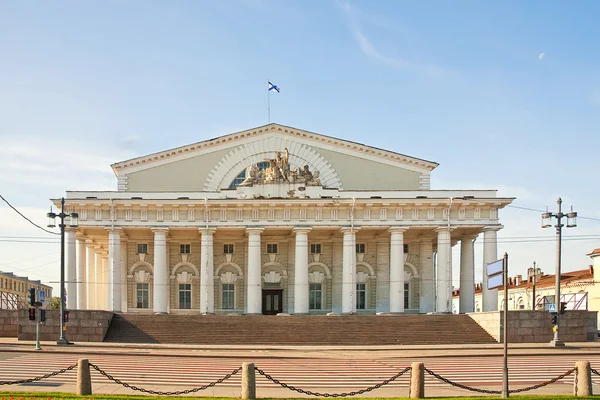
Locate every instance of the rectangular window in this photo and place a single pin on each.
(128, 215)
(142, 248)
(270, 214)
(286, 215)
(334, 214)
(255, 215)
(239, 215)
(228, 248)
(175, 215)
(272, 248)
(405, 248)
(361, 296)
(185, 296)
(315, 296)
(142, 295)
(406, 297)
(360, 248)
(228, 296)
(185, 248)
(318, 214)
(303, 213)
(160, 215)
(315, 248)
(144, 215)
(223, 215)
(191, 215)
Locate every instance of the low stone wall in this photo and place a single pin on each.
(527, 326)
(9, 323)
(83, 325)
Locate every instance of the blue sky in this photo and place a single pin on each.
(504, 95)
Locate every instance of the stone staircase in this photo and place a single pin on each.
(296, 330)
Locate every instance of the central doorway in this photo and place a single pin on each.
(272, 301)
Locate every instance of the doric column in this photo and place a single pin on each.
(349, 270)
(91, 275)
(71, 268)
(444, 271)
(397, 270)
(161, 282)
(490, 253)
(81, 273)
(123, 272)
(105, 281)
(467, 276)
(207, 282)
(114, 269)
(254, 296)
(99, 283)
(427, 296)
(301, 271)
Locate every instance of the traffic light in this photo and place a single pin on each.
(563, 307)
(554, 319)
(32, 296)
(42, 315)
(32, 314)
(66, 316)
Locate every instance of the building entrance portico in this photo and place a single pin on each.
(277, 220)
(272, 301)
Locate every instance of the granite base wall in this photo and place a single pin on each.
(83, 325)
(527, 326)
(9, 323)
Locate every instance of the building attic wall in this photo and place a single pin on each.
(187, 175)
(373, 175)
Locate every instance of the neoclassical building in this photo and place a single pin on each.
(277, 220)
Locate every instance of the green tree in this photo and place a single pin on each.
(55, 303)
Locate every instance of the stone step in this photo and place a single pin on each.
(307, 330)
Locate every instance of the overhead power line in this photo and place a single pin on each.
(30, 221)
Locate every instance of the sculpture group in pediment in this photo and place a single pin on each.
(279, 171)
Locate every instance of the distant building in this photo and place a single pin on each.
(14, 290)
(577, 289)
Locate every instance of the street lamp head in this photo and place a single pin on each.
(571, 219)
(546, 220)
(74, 220)
(51, 216)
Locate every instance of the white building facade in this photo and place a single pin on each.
(277, 220)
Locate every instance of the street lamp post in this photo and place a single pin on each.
(546, 223)
(51, 224)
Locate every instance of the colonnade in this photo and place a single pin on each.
(97, 280)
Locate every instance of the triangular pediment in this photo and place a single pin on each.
(226, 156)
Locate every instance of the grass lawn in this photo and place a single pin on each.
(57, 395)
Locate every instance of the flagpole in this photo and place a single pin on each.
(268, 101)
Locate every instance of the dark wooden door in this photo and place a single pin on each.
(272, 301)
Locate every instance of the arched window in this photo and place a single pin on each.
(242, 175)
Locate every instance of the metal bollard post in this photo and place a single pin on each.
(417, 380)
(582, 385)
(248, 381)
(84, 380)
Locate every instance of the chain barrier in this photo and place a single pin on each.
(39, 378)
(460, 385)
(488, 391)
(194, 390)
(539, 385)
(595, 372)
(318, 394)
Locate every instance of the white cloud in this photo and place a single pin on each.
(541, 56)
(356, 19)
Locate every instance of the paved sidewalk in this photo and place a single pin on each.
(280, 351)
